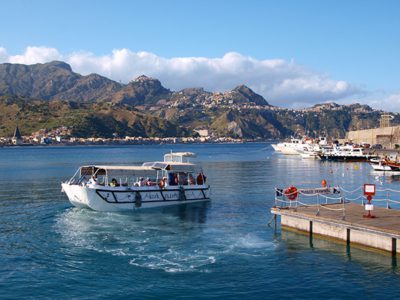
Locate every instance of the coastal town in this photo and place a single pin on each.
(62, 137)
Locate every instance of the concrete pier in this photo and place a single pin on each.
(382, 232)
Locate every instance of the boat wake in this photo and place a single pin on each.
(156, 241)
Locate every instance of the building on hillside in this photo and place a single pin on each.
(17, 138)
(202, 132)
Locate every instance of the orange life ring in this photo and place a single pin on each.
(323, 183)
(291, 193)
(161, 184)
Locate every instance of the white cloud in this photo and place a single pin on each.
(34, 55)
(388, 103)
(3, 54)
(280, 82)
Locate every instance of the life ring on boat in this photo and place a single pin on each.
(161, 184)
(291, 192)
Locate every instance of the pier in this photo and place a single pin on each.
(342, 220)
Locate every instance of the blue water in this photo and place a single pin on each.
(219, 250)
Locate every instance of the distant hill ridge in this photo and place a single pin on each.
(56, 80)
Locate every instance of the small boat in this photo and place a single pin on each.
(153, 184)
(393, 165)
(389, 163)
(309, 152)
(379, 164)
(345, 154)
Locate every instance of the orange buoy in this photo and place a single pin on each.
(291, 193)
(324, 183)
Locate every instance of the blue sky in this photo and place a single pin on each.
(355, 42)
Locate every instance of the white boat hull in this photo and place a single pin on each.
(276, 147)
(308, 155)
(101, 198)
(289, 151)
(381, 167)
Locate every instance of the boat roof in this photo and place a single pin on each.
(184, 154)
(162, 165)
(178, 157)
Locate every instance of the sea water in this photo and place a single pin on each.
(223, 249)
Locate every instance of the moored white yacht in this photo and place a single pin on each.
(289, 148)
(307, 148)
(347, 153)
(153, 184)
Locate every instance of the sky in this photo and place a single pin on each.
(294, 53)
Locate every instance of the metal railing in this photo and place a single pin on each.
(325, 198)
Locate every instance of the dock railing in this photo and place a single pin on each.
(331, 198)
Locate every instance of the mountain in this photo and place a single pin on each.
(54, 80)
(52, 95)
(142, 90)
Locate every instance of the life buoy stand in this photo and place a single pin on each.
(161, 184)
(291, 193)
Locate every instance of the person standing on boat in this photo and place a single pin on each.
(173, 179)
(201, 178)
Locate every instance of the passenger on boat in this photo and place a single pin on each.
(114, 182)
(191, 179)
(201, 178)
(183, 178)
(149, 182)
(142, 182)
(173, 179)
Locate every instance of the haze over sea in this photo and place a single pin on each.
(223, 249)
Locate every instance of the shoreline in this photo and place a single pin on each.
(130, 144)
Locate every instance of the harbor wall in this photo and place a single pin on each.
(387, 136)
(349, 233)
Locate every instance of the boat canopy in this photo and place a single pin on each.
(144, 170)
(170, 166)
(116, 170)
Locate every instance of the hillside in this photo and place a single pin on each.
(51, 95)
(54, 80)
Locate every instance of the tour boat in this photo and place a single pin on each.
(153, 184)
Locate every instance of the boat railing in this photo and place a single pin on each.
(161, 178)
